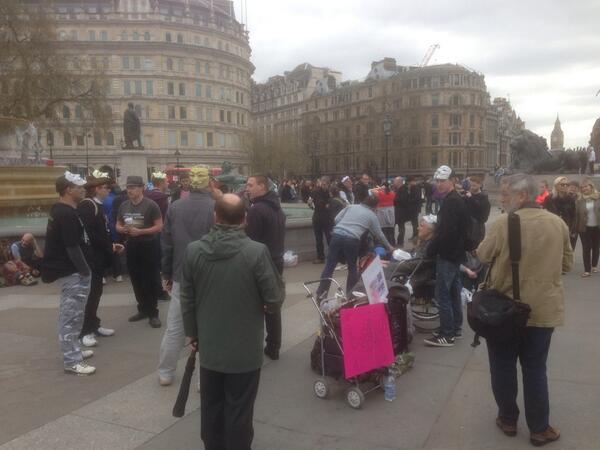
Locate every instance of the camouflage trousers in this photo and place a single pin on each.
(73, 296)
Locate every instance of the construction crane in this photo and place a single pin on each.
(429, 54)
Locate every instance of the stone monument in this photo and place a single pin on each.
(133, 161)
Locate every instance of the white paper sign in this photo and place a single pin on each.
(374, 281)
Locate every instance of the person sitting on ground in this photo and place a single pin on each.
(29, 252)
(17, 272)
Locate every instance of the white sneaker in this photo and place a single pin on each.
(118, 279)
(87, 354)
(81, 369)
(103, 280)
(341, 267)
(105, 331)
(165, 381)
(89, 340)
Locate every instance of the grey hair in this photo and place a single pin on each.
(522, 182)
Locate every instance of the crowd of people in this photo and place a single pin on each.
(219, 259)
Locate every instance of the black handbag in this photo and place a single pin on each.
(492, 314)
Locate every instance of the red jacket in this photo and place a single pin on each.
(385, 199)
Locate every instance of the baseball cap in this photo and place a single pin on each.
(134, 180)
(443, 173)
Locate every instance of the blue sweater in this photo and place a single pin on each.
(354, 220)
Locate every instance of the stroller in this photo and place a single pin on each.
(327, 355)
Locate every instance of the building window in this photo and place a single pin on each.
(169, 64)
(180, 65)
(221, 115)
(79, 140)
(198, 68)
(66, 113)
(125, 62)
(170, 88)
(434, 159)
(172, 138)
(199, 139)
(103, 36)
(435, 99)
(435, 138)
(181, 88)
(198, 90)
(110, 139)
(126, 87)
(137, 62)
(183, 138)
(209, 139)
(370, 91)
(471, 138)
(435, 121)
(199, 115)
(92, 35)
(78, 112)
(221, 140)
(136, 36)
(455, 120)
(455, 139)
(183, 112)
(207, 68)
(455, 100)
(228, 116)
(171, 112)
(67, 139)
(149, 87)
(208, 91)
(97, 138)
(180, 38)
(168, 37)
(146, 36)
(472, 120)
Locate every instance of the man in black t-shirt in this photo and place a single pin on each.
(140, 220)
(66, 257)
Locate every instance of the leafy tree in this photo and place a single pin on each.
(281, 156)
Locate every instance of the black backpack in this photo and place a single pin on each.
(496, 316)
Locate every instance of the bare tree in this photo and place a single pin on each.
(281, 156)
(38, 77)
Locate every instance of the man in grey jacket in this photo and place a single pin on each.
(187, 220)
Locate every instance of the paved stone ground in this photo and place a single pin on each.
(444, 402)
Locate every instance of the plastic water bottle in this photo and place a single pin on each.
(389, 387)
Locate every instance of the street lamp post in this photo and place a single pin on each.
(87, 153)
(387, 132)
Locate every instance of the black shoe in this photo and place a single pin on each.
(154, 322)
(137, 317)
(164, 296)
(439, 341)
(272, 353)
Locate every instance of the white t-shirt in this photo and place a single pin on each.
(592, 220)
(591, 154)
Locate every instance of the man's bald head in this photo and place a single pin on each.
(230, 210)
(27, 238)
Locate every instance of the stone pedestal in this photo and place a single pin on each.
(133, 162)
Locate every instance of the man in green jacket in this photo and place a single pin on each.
(228, 282)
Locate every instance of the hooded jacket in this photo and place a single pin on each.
(265, 223)
(160, 198)
(227, 281)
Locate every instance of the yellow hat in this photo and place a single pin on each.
(199, 177)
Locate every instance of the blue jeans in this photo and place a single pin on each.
(531, 348)
(340, 246)
(447, 293)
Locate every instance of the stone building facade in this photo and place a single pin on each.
(278, 104)
(439, 114)
(184, 64)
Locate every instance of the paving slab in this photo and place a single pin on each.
(72, 432)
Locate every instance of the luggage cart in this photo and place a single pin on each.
(355, 394)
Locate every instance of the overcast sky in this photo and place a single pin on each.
(544, 54)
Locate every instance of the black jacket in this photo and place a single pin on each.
(407, 202)
(479, 207)
(563, 207)
(95, 223)
(453, 225)
(321, 199)
(361, 191)
(265, 223)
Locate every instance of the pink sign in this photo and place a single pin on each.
(366, 339)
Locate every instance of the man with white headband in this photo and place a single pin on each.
(66, 257)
